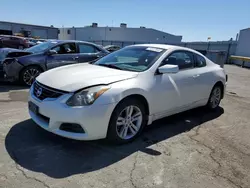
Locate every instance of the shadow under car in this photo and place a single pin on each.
(37, 150)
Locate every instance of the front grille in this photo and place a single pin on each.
(42, 92)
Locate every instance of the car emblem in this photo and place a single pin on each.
(39, 92)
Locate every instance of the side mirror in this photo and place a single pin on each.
(168, 69)
(52, 52)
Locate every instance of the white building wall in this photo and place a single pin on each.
(130, 35)
(42, 32)
(5, 26)
(243, 46)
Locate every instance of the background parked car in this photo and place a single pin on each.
(49, 55)
(6, 53)
(8, 41)
(112, 48)
(34, 42)
(31, 42)
(39, 41)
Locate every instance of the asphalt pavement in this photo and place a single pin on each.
(194, 149)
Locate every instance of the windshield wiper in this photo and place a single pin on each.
(110, 66)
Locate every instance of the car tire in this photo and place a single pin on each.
(29, 74)
(214, 98)
(134, 119)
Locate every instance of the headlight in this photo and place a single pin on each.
(87, 96)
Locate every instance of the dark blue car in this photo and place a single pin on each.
(9, 53)
(49, 55)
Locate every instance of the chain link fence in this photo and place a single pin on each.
(218, 52)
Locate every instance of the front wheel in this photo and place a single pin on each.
(127, 121)
(215, 98)
(29, 74)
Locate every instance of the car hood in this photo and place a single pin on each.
(12, 52)
(29, 55)
(74, 77)
(18, 54)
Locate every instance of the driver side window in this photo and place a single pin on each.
(67, 48)
(183, 59)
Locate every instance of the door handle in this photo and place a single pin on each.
(75, 58)
(197, 75)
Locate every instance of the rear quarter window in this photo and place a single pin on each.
(200, 61)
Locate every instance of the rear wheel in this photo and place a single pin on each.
(29, 74)
(215, 97)
(127, 121)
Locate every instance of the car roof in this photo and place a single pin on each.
(168, 47)
(163, 46)
(111, 46)
(65, 41)
(62, 41)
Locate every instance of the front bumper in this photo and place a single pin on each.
(12, 70)
(93, 119)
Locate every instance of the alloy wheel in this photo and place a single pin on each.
(30, 75)
(216, 97)
(129, 122)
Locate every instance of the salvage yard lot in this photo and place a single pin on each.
(192, 149)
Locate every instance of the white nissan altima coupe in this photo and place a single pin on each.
(118, 95)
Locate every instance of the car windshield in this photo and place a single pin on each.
(41, 47)
(137, 58)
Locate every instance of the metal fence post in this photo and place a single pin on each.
(228, 51)
(208, 45)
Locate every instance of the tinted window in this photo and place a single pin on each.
(132, 58)
(67, 48)
(200, 61)
(85, 48)
(183, 59)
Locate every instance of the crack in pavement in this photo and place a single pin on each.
(3, 175)
(26, 176)
(132, 170)
(216, 172)
(31, 178)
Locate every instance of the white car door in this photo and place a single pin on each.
(203, 77)
(176, 90)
